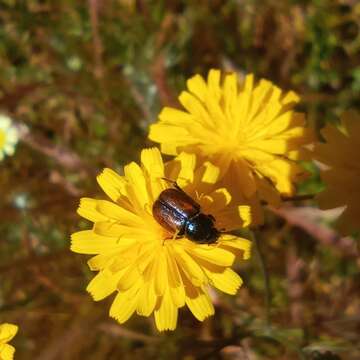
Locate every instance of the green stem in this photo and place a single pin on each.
(266, 277)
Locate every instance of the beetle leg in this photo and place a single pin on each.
(174, 183)
(197, 195)
(176, 233)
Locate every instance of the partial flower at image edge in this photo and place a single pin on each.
(8, 136)
(7, 333)
(340, 170)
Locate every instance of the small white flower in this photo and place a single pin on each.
(9, 136)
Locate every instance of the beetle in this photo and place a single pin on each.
(180, 214)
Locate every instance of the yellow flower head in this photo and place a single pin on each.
(341, 176)
(150, 269)
(7, 332)
(8, 137)
(248, 130)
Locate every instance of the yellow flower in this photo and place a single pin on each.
(249, 131)
(341, 176)
(7, 332)
(8, 137)
(149, 269)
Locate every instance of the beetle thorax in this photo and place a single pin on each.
(201, 229)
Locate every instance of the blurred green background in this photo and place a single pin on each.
(87, 78)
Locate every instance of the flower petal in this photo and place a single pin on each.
(152, 162)
(186, 174)
(174, 274)
(112, 183)
(166, 314)
(103, 284)
(112, 229)
(161, 275)
(116, 212)
(137, 191)
(198, 87)
(154, 167)
(170, 134)
(178, 295)
(212, 254)
(228, 281)
(7, 332)
(234, 243)
(88, 242)
(190, 267)
(129, 278)
(199, 303)
(125, 304)
(211, 173)
(244, 177)
(7, 352)
(87, 209)
(146, 300)
(101, 261)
